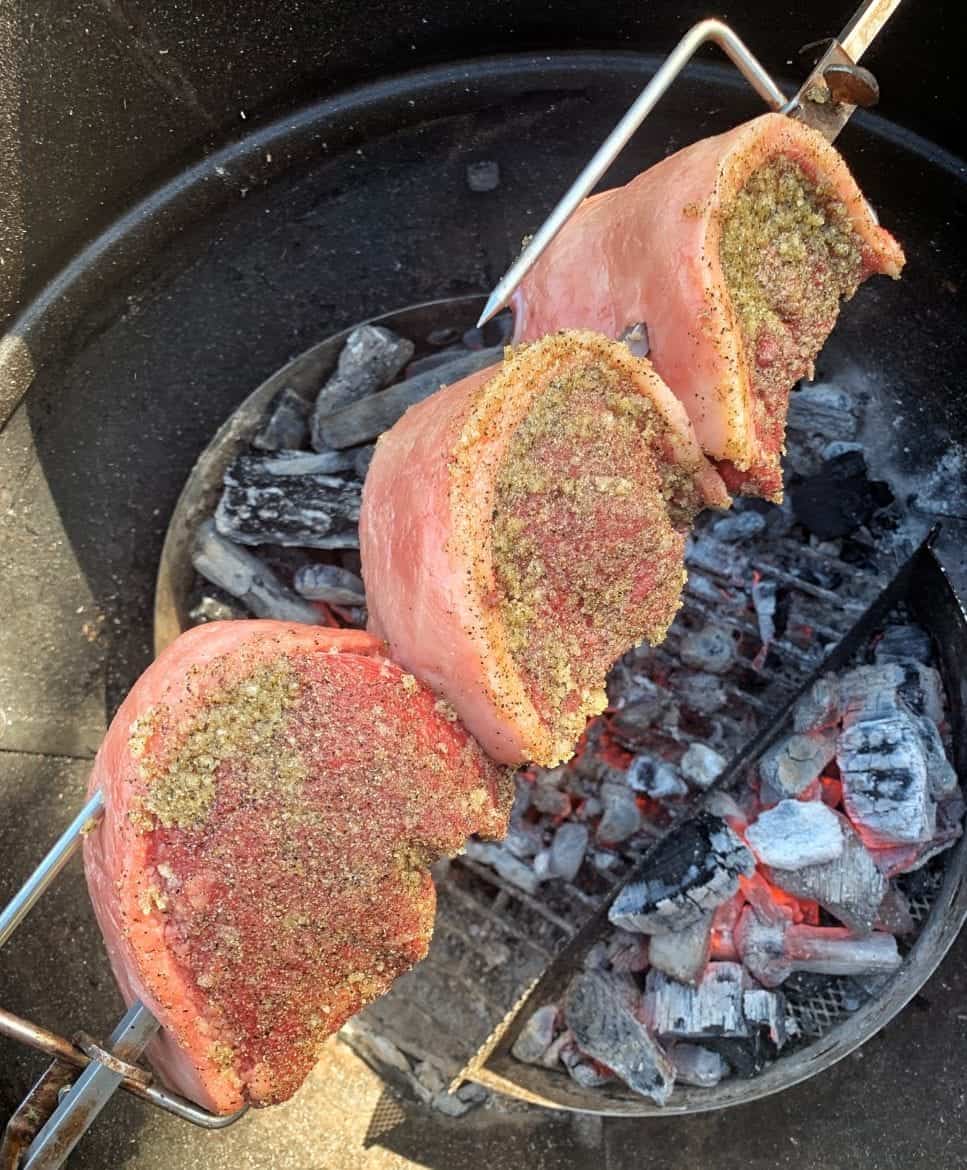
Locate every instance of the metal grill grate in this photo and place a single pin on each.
(822, 1007)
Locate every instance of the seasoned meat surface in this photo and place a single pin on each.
(274, 795)
(735, 253)
(524, 527)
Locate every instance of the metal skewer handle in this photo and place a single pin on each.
(89, 1094)
(104, 1072)
(820, 102)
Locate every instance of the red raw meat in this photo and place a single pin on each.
(650, 252)
(274, 794)
(522, 528)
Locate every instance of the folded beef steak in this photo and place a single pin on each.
(522, 528)
(735, 253)
(274, 794)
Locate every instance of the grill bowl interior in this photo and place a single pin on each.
(834, 1028)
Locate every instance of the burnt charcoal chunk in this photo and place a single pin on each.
(432, 361)
(289, 498)
(886, 787)
(518, 873)
(692, 870)
(656, 779)
(601, 1012)
(365, 420)
(370, 359)
(878, 690)
(287, 426)
(870, 692)
(713, 1008)
(747, 1056)
(244, 576)
(773, 950)
(635, 338)
(940, 774)
(632, 724)
(819, 707)
(767, 1010)
(363, 458)
(331, 584)
(921, 689)
(536, 1035)
(791, 765)
(739, 526)
(702, 765)
(695, 1065)
(710, 649)
(765, 595)
(682, 954)
(698, 691)
(796, 833)
(850, 887)
(567, 850)
(838, 498)
(824, 410)
(622, 817)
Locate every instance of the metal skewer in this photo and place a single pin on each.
(103, 1071)
(820, 102)
(60, 853)
(90, 1093)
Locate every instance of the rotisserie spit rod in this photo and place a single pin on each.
(107, 1069)
(825, 101)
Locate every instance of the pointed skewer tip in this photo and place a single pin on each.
(491, 308)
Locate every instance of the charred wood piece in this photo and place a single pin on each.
(244, 576)
(601, 1011)
(370, 359)
(713, 1008)
(693, 869)
(291, 498)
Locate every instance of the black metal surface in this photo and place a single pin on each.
(922, 584)
(100, 100)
